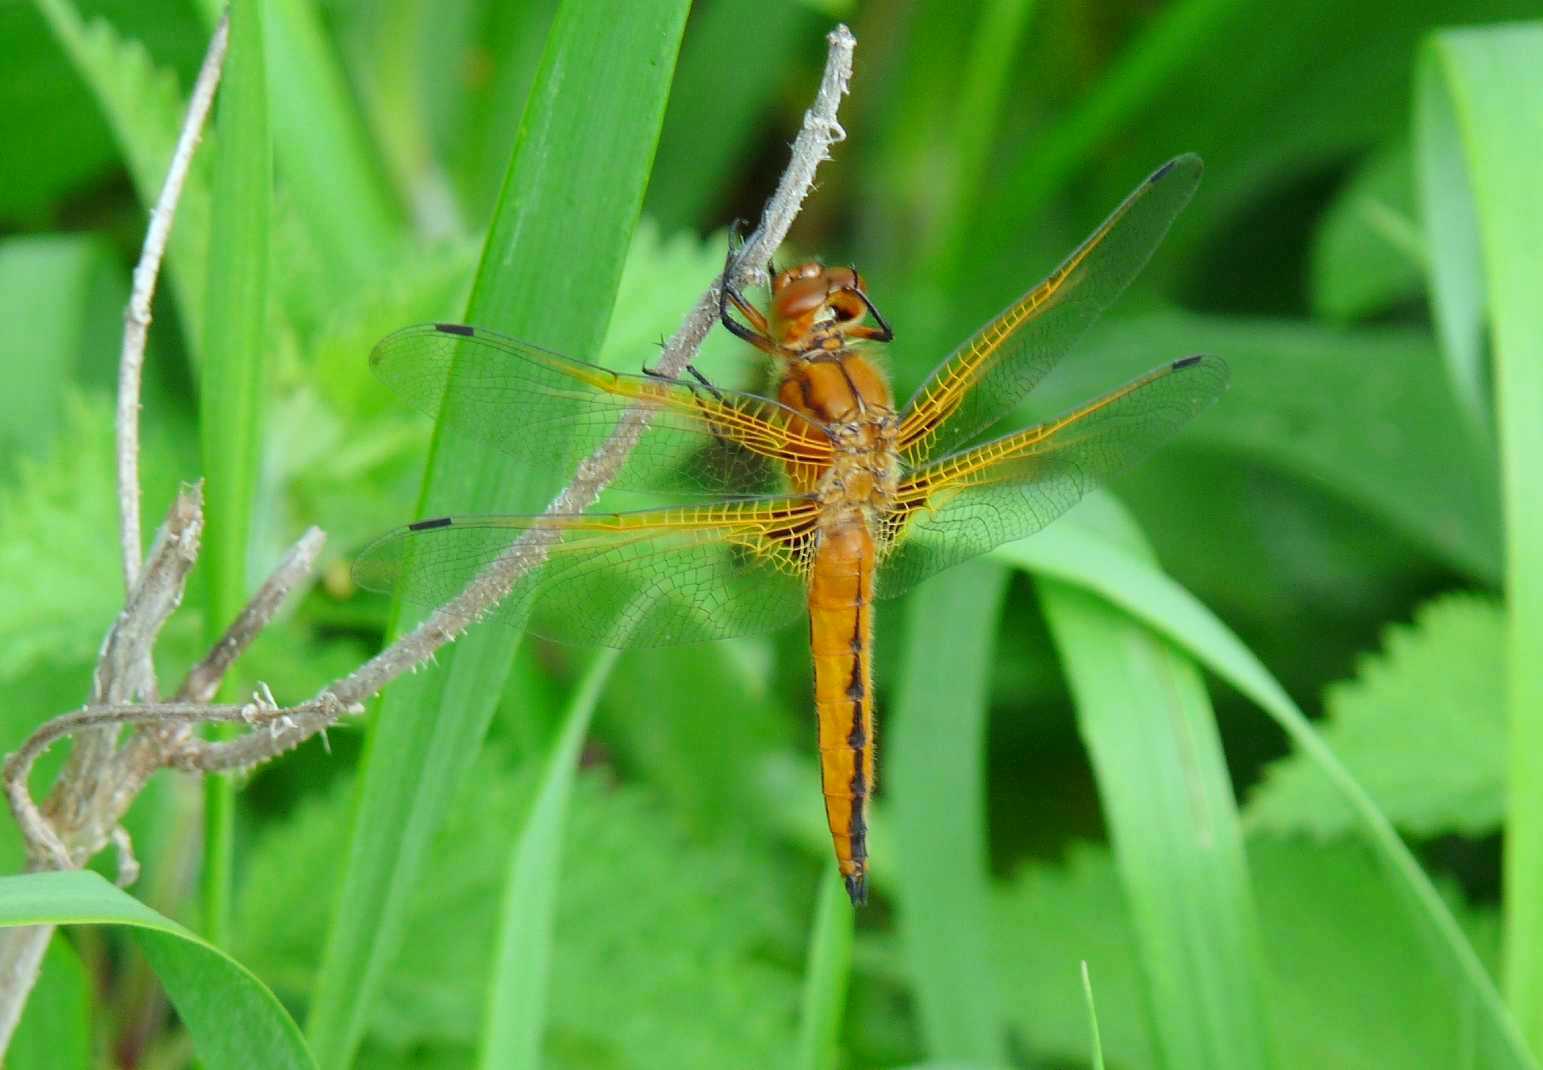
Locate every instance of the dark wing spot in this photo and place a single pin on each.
(427, 525)
(455, 328)
(1186, 362)
(1158, 175)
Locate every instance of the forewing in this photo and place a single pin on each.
(965, 504)
(650, 578)
(988, 376)
(546, 409)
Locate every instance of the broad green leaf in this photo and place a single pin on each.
(1482, 102)
(934, 777)
(1375, 1002)
(1421, 726)
(323, 153)
(1380, 999)
(1167, 799)
(145, 111)
(1073, 552)
(233, 386)
(1458, 298)
(549, 273)
(1369, 253)
(234, 1021)
(516, 1004)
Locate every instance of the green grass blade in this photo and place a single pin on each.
(550, 270)
(982, 94)
(1451, 225)
(826, 976)
(324, 154)
(934, 769)
(231, 394)
(517, 1000)
(1076, 553)
(1167, 800)
(1098, 1044)
(1482, 104)
(235, 1022)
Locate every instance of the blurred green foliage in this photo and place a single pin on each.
(1340, 511)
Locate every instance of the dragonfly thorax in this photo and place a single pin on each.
(840, 388)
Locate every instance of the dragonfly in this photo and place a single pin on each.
(818, 501)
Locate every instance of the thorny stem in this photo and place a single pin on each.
(136, 317)
(106, 788)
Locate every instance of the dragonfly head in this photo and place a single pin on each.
(815, 307)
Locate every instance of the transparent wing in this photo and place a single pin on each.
(547, 409)
(649, 578)
(990, 374)
(965, 504)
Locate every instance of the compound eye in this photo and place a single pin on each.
(843, 278)
(800, 296)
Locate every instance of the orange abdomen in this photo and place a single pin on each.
(840, 634)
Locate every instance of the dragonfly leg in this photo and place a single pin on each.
(883, 332)
(757, 331)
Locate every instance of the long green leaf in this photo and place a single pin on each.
(935, 769)
(231, 392)
(827, 972)
(1168, 802)
(1074, 552)
(1098, 1042)
(517, 997)
(1482, 105)
(234, 1020)
(324, 153)
(549, 272)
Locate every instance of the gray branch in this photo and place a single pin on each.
(136, 317)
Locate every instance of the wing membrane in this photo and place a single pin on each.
(650, 578)
(993, 371)
(965, 504)
(547, 409)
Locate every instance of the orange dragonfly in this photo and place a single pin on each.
(822, 500)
